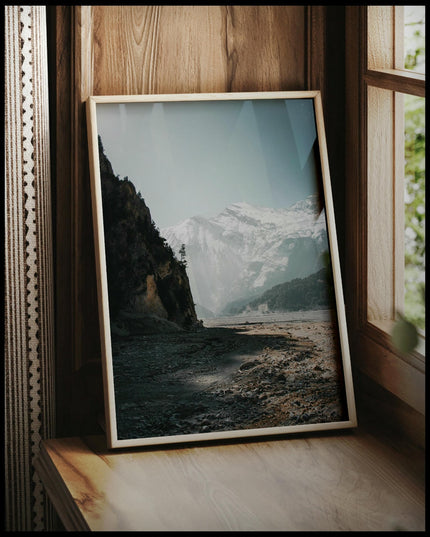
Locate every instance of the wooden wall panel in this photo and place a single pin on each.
(111, 50)
(189, 49)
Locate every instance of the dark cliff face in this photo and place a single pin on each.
(144, 277)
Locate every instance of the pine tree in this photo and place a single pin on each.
(182, 253)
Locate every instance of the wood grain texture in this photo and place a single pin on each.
(396, 80)
(355, 176)
(316, 49)
(399, 41)
(399, 203)
(59, 27)
(326, 483)
(196, 49)
(380, 43)
(59, 494)
(380, 205)
(331, 67)
(391, 371)
(402, 426)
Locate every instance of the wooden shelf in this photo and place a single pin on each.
(329, 482)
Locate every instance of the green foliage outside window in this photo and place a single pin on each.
(404, 334)
(415, 210)
(415, 38)
(415, 173)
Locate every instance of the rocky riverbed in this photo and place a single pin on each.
(228, 376)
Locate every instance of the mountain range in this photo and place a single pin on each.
(246, 250)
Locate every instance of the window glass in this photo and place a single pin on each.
(414, 307)
(414, 38)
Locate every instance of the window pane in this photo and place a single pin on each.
(414, 38)
(415, 210)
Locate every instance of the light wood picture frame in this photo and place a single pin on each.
(220, 295)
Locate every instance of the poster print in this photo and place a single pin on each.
(221, 306)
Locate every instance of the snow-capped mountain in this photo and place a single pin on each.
(246, 250)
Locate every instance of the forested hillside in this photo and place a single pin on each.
(313, 292)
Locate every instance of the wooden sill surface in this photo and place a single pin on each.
(348, 481)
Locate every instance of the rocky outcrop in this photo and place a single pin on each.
(144, 276)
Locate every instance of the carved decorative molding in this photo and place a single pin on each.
(29, 316)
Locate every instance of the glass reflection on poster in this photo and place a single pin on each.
(221, 306)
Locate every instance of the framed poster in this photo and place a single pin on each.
(219, 285)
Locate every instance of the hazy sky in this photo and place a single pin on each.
(190, 158)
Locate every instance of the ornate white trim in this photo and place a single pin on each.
(29, 402)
